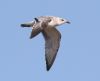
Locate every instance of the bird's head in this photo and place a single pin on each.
(56, 21)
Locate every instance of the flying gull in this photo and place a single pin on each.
(47, 26)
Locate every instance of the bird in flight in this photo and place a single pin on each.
(47, 26)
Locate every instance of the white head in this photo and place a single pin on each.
(56, 21)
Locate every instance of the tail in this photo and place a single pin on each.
(28, 24)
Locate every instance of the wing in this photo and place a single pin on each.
(28, 24)
(35, 32)
(36, 29)
(52, 37)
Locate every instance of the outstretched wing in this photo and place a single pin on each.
(28, 24)
(52, 37)
(38, 27)
(35, 31)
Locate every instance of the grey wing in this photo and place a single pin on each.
(52, 37)
(36, 29)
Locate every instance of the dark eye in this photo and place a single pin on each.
(62, 19)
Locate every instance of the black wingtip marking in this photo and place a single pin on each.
(36, 20)
(31, 37)
(48, 66)
(48, 69)
(25, 25)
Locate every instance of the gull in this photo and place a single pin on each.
(47, 26)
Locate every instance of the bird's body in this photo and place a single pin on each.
(46, 25)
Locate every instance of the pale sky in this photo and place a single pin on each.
(22, 59)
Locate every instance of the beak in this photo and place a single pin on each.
(68, 22)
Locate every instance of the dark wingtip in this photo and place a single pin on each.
(22, 25)
(31, 37)
(36, 20)
(48, 68)
(25, 25)
(68, 22)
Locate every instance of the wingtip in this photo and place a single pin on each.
(30, 37)
(25, 25)
(48, 68)
(22, 25)
(36, 20)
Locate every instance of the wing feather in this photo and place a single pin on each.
(28, 24)
(35, 31)
(39, 26)
(52, 37)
